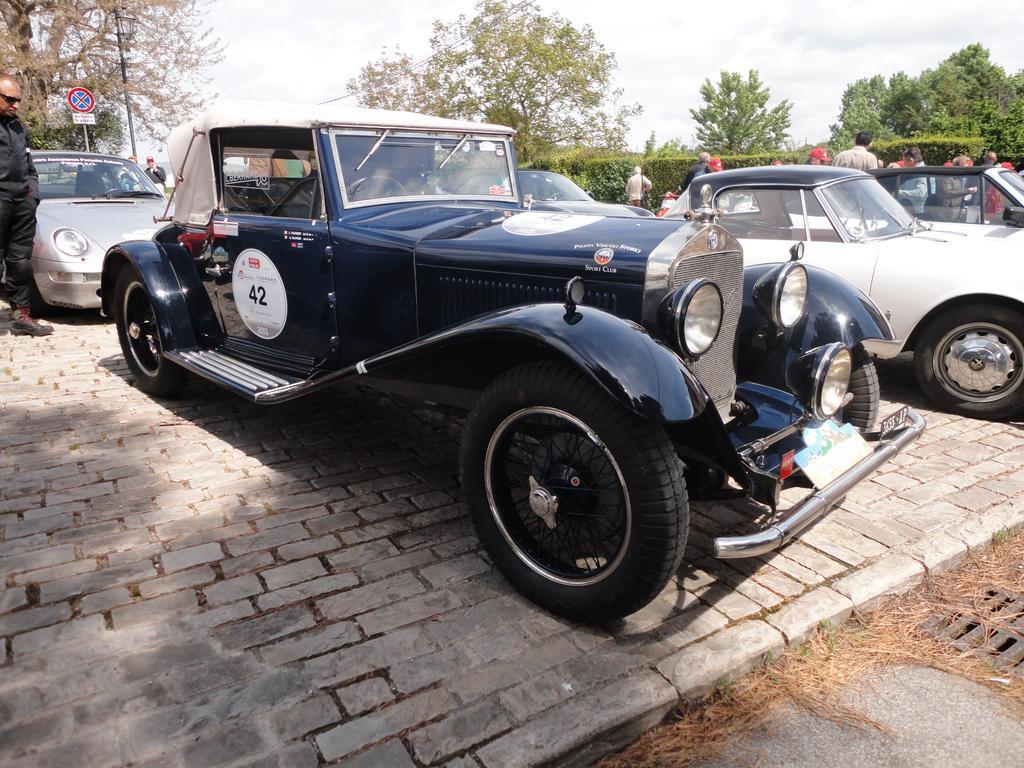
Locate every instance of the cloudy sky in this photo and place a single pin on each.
(303, 50)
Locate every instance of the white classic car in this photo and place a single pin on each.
(957, 302)
(977, 201)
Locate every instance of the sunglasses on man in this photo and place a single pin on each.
(11, 99)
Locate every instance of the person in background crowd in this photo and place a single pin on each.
(858, 156)
(133, 159)
(776, 161)
(991, 158)
(637, 187)
(156, 174)
(695, 170)
(948, 164)
(715, 165)
(19, 197)
(818, 156)
(962, 161)
(914, 191)
(1006, 165)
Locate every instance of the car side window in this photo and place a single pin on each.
(761, 213)
(950, 199)
(994, 201)
(818, 224)
(270, 175)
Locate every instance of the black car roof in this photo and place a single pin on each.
(785, 175)
(935, 170)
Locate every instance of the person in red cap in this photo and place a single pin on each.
(156, 174)
(715, 164)
(818, 156)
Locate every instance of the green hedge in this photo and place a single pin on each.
(935, 150)
(605, 176)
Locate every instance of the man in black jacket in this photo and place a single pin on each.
(694, 171)
(19, 196)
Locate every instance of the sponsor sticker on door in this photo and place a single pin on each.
(259, 294)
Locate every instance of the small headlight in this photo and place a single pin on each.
(782, 294)
(694, 317)
(791, 295)
(820, 379)
(834, 384)
(70, 242)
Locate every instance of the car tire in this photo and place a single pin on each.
(971, 366)
(579, 502)
(140, 339)
(862, 411)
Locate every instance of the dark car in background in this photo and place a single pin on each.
(550, 191)
(978, 201)
(595, 354)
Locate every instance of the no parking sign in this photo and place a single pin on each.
(81, 100)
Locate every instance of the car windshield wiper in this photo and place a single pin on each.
(450, 154)
(374, 148)
(135, 193)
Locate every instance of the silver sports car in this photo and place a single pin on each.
(89, 202)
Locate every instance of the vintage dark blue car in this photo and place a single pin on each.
(610, 366)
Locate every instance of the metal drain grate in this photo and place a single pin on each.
(996, 631)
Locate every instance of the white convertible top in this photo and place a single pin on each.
(195, 196)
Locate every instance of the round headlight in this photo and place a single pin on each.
(790, 295)
(696, 317)
(833, 383)
(70, 242)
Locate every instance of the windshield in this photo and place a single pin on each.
(387, 165)
(90, 176)
(549, 186)
(1014, 182)
(865, 210)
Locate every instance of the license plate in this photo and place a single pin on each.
(831, 449)
(893, 421)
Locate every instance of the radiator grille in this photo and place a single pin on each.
(716, 368)
(462, 298)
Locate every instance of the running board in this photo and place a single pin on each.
(247, 380)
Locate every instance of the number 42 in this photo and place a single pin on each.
(258, 296)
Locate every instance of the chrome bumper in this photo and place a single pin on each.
(819, 502)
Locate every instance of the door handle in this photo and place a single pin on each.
(217, 270)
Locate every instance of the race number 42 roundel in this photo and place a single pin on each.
(259, 294)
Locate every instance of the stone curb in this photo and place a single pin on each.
(727, 655)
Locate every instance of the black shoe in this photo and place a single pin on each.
(23, 324)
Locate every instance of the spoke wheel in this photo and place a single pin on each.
(139, 334)
(578, 501)
(557, 495)
(974, 366)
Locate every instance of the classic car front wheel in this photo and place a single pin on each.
(862, 411)
(974, 366)
(140, 339)
(580, 503)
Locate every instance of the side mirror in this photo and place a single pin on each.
(796, 252)
(1014, 215)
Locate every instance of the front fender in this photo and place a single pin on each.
(179, 301)
(836, 310)
(618, 355)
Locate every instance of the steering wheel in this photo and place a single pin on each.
(376, 186)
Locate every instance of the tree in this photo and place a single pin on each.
(53, 45)
(861, 110)
(735, 118)
(670, 148)
(543, 76)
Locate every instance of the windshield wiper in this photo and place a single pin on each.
(374, 148)
(450, 154)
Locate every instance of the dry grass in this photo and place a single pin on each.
(810, 678)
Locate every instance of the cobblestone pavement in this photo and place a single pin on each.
(208, 582)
